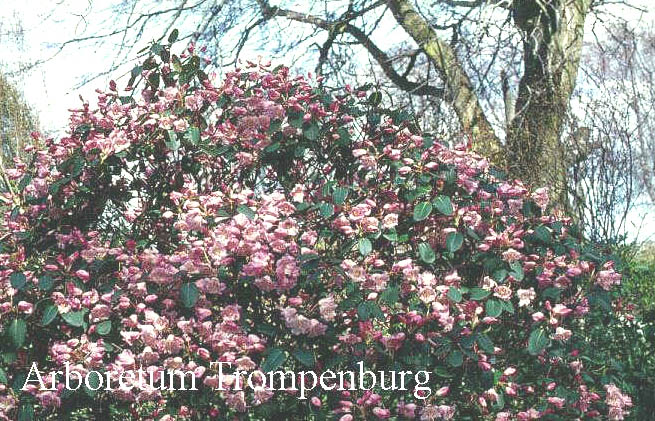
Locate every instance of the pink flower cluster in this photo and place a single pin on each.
(218, 221)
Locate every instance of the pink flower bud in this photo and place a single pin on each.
(82, 274)
(25, 307)
(443, 391)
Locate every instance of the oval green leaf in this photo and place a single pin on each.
(17, 331)
(74, 318)
(189, 294)
(443, 205)
(18, 280)
(426, 253)
(340, 194)
(422, 211)
(454, 241)
(365, 246)
(103, 328)
(276, 357)
(493, 308)
(306, 358)
(537, 342)
(49, 314)
(46, 282)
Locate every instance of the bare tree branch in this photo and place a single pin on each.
(385, 62)
(460, 90)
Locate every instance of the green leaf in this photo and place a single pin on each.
(49, 314)
(272, 147)
(455, 358)
(18, 280)
(369, 309)
(74, 318)
(3, 377)
(295, 119)
(24, 182)
(94, 383)
(9, 357)
(311, 130)
(479, 294)
(485, 343)
(276, 357)
(26, 411)
(306, 358)
(46, 282)
(103, 328)
(493, 308)
(500, 274)
(156, 48)
(339, 195)
(267, 329)
(365, 246)
(553, 293)
(391, 236)
(390, 295)
(375, 98)
(426, 253)
(18, 381)
(508, 307)
(17, 331)
(326, 209)
(454, 294)
(537, 342)
(543, 234)
(517, 271)
(172, 142)
(422, 211)
(454, 241)
(245, 210)
(189, 294)
(173, 36)
(193, 135)
(443, 205)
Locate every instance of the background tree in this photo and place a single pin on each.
(16, 121)
(612, 134)
(16, 118)
(449, 52)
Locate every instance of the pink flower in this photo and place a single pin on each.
(511, 255)
(82, 274)
(443, 391)
(180, 125)
(390, 221)
(194, 102)
(381, 413)
(327, 308)
(287, 272)
(526, 296)
(540, 196)
(407, 410)
(561, 310)
(25, 307)
(359, 212)
(503, 292)
(562, 334)
(556, 402)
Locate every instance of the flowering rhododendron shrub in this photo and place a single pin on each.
(262, 221)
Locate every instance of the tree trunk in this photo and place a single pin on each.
(553, 32)
(459, 89)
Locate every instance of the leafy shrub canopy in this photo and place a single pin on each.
(266, 222)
